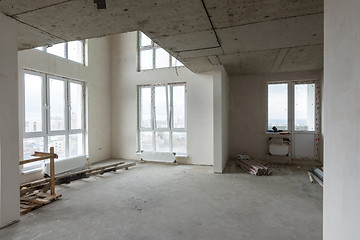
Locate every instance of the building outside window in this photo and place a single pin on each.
(162, 118)
(152, 56)
(54, 116)
(74, 50)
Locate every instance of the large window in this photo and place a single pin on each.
(54, 113)
(74, 51)
(152, 56)
(295, 101)
(162, 118)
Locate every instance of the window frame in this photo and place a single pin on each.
(291, 105)
(153, 46)
(170, 116)
(46, 130)
(66, 51)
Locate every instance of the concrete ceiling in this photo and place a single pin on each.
(246, 36)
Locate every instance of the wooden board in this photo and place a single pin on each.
(36, 200)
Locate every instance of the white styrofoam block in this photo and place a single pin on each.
(65, 165)
(158, 156)
(279, 149)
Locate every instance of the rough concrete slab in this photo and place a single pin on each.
(12, 7)
(240, 12)
(214, 60)
(254, 62)
(156, 202)
(200, 64)
(279, 59)
(39, 38)
(81, 19)
(292, 32)
(202, 53)
(189, 41)
(303, 59)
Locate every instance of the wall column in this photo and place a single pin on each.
(9, 127)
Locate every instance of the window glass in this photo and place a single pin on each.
(57, 104)
(179, 142)
(145, 107)
(75, 51)
(76, 105)
(59, 144)
(146, 139)
(162, 58)
(31, 145)
(278, 106)
(175, 62)
(76, 146)
(305, 107)
(161, 111)
(144, 40)
(168, 133)
(162, 142)
(179, 106)
(57, 49)
(33, 102)
(146, 59)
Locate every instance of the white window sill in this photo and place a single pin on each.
(176, 155)
(32, 171)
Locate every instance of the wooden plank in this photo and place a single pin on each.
(52, 170)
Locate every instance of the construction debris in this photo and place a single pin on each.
(252, 167)
(69, 177)
(36, 200)
(317, 174)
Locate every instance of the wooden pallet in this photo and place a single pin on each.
(36, 200)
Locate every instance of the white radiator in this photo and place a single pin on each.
(65, 165)
(158, 156)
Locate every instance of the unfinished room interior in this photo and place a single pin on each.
(192, 119)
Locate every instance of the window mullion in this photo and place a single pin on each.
(153, 116)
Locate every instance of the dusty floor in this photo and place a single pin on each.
(166, 202)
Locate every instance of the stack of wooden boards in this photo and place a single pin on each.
(35, 200)
(252, 167)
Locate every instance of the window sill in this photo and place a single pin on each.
(176, 155)
(32, 171)
(277, 133)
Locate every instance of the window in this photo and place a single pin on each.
(302, 97)
(162, 118)
(305, 107)
(278, 106)
(54, 113)
(74, 51)
(152, 56)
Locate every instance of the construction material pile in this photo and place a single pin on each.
(252, 167)
(317, 174)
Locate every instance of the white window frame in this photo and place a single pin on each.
(66, 51)
(291, 104)
(46, 131)
(170, 116)
(153, 47)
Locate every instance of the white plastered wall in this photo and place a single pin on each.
(221, 112)
(97, 78)
(124, 81)
(9, 131)
(342, 120)
(248, 111)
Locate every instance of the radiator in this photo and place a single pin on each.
(65, 165)
(158, 156)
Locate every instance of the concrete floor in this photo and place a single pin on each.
(159, 201)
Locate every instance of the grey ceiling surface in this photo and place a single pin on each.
(246, 36)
